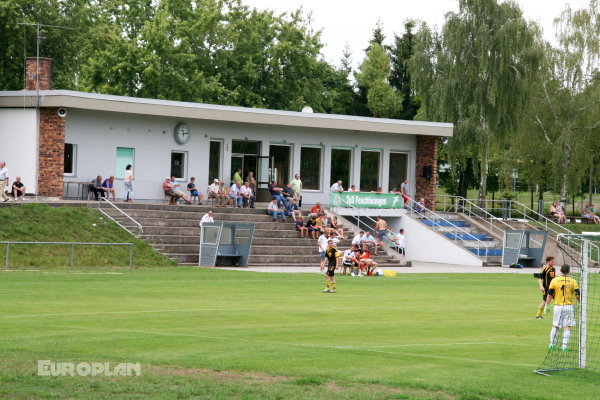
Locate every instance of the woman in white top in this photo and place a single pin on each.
(128, 181)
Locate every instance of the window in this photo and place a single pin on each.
(279, 163)
(369, 170)
(310, 167)
(214, 161)
(178, 159)
(125, 156)
(341, 161)
(70, 159)
(398, 169)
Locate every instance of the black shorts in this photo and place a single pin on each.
(330, 270)
(545, 295)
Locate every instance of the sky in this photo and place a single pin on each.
(352, 21)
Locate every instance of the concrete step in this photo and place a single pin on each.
(195, 223)
(191, 215)
(171, 239)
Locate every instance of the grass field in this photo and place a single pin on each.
(210, 334)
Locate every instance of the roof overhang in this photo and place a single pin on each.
(179, 109)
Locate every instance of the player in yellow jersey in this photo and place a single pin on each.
(563, 290)
(332, 255)
(545, 276)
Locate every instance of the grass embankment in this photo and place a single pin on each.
(210, 334)
(41, 223)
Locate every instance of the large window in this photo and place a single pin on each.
(341, 162)
(178, 164)
(398, 169)
(125, 156)
(279, 163)
(310, 167)
(214, 161)
(70, 159)
(369, 170)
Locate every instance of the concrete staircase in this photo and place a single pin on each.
(175, 232)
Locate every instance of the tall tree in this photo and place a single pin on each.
(400, 52)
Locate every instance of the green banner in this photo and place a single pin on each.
(365, 200)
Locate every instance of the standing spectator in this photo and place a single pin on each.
(247, 195)
(251, 181)
(191, 187)
(97, 189)
(404, 190)
(297, 186)
(3, 180)
(337, 187)
(381, 227)
(108, 184)
(322, 245)
(237, 178)
(234, 194)
(275, 211)
(215, 193)
(18, 189)
(400, 246)
(208, 217)
(128, 183)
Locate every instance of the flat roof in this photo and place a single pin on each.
(181, 109)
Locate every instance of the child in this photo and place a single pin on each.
(332, 255)
(301, 228)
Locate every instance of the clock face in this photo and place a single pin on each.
(182, 133)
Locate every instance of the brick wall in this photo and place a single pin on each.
(426, 156)
(45, 72)
(51, 153)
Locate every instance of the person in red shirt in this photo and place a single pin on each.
(366, 262)
(316, 209)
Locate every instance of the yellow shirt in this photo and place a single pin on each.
(564, 290)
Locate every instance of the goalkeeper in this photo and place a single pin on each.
(331, 254)
(547, 273)
(563, 290)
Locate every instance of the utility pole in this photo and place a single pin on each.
(38, 40)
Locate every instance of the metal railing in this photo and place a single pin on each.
(72, 244)
(137, 224)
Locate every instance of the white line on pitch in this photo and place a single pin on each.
(427, 345)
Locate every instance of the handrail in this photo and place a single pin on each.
(491, 218)
(72, 244)
(139, 226)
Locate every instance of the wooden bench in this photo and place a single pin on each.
(571, 219)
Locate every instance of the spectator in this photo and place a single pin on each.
(378, 190)
(3, 180)
(588, 212)
(168, 190)
(319, 223)
(322, 245)
(354, 189)
(366, 262)
(237, 178)
(176, 188)
(337, 187)
(404, 190)
(208, 217)
(370, 242)
(335, 227)
(316, 209)
(297, 187)
(235, 195)
(247, 195)
(215, 193)
(294, 210)
(97, 189)
(420, 207)
(381, 228)
(18, 189)
(223, 193)
(251, 181)
(302, 230)
(311, 225)
(400, 245)
(288, 193)
(108, 184)
(191, 187)
(276, 211)
(556, 212)
(350, 260)
(358, 239)
(128, 183)
(276, 194)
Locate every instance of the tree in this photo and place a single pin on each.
(400, 53)
(477, 74)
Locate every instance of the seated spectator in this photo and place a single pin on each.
(366, 262)
(191, 187)
(319, 223)
(358, 239)
(168, 190)
(96, 188)
(350, 260)
(175, 187)
(288, 193)
(276, 194)
(18, 189)
(316, 209)
(370, 242)
(337, 187)
(294, 210)
(556, 212)
(276, 211)
(588, 212)
(223, 193)
(311, 225)
(302, 230)
(108, 185)
(215, 193)
(420, 207)
(247, 195)
(235, 195)
(353, 188)
(334, 226)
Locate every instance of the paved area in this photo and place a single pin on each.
(417, 268)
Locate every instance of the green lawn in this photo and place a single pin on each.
(210, 334)
(41, 223)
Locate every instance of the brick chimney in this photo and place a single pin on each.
(45, 71)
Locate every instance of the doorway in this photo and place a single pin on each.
(245, 156)
(279, 163)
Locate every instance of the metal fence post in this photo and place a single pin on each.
(130, 255)
(72, 255)
(7, 254)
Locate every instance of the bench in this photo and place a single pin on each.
(235, 258)
(571, 219)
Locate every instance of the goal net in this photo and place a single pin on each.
(581, 253)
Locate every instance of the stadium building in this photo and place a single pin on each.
(59, 140)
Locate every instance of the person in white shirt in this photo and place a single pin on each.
(400, 245)
(337, 187)
(234, 194)
(128, 183)
(349, 260)
(215, 193)
(322, 244)
(3, 180)
(247, 195)
(275, 211)
(370, 242)
(208, 217)
(358, 239)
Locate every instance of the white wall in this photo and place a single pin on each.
(98, 134)
(19, 145)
